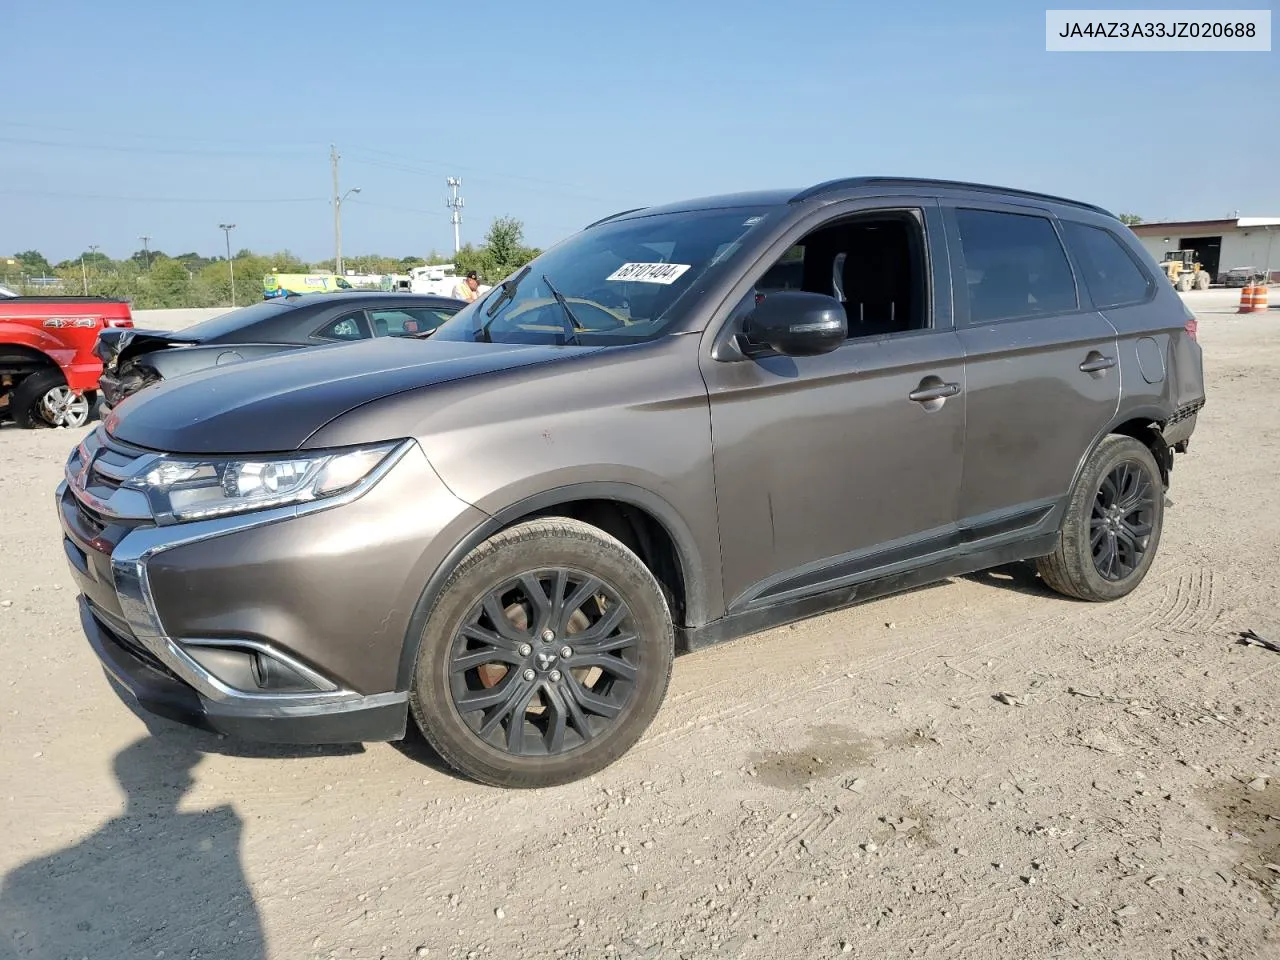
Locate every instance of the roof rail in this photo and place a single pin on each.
(612, 216)
(849, 183)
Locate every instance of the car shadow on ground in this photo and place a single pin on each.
(414, 746)
(1018, 577)
(153, 881)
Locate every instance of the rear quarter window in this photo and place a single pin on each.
(349, 326)
(1016, 267)
(1111, 273)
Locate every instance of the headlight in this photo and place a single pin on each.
(189, 488)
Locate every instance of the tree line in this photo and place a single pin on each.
(151, 279)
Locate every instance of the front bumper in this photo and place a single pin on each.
(285, 625)
(156, 690)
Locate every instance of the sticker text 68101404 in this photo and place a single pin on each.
(649, 272)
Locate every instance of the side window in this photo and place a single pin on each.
(1015, 264)
(787, 273)
(350, 326)
(407, 321)
(1111, 273)
(874, 264)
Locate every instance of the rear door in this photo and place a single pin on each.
(1040, 364)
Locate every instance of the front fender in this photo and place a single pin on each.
(697, 577)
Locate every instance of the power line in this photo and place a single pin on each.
(425, 169)
(397, 207)
(167, 138)
(392, 161)
(58, 195)
(113, 148)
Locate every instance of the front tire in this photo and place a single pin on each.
(1112, 526)
(545, 657)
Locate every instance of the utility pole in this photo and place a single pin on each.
(146, 251)
(84, 274)
(337, 213)
(226, 228)
(455, 204)
(337, 210)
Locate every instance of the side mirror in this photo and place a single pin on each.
(795, 323)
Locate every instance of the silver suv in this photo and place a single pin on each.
(680, 425)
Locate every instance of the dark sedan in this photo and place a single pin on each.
(133, 359)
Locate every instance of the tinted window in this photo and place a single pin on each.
(1110, 272)
(1016, 266)
(236, 320)
(347, 327)
(408, 321)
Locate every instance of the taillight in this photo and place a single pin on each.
(118, 322)
(1192, 326)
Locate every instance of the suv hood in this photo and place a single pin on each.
(274, 404)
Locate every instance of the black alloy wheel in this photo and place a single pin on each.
(544, 662)
(1111, 525)
(1122, 520)
(544, 657)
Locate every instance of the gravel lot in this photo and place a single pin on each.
(851, 786)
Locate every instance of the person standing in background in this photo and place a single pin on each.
(468, 288)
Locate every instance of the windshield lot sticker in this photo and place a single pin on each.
(649, 272)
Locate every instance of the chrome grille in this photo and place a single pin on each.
(96, 471)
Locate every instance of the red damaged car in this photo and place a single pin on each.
(48, 370)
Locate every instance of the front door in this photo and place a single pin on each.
(830, 469)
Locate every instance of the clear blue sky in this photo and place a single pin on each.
(167, 118)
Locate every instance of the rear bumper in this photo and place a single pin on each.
(156, 690)
(1179, 427)
(82, 376)
(111, 388)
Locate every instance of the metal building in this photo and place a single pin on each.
(1220, 245)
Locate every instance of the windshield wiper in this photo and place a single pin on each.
(508, 290)
(571, 331)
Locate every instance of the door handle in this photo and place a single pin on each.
(939, 392)
(1097, 364)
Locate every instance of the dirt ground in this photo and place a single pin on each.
(851, 786)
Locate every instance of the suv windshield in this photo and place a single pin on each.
(620, 281)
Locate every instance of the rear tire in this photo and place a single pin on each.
(1111, 529)
(43, 399)
(545, 657)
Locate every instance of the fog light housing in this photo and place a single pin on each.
(253, 668)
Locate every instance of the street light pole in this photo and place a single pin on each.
(226, 228)
(337, 210)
